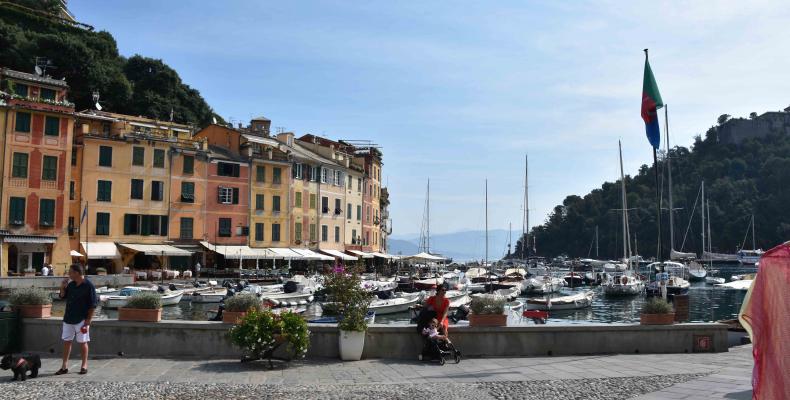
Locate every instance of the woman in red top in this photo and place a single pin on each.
(441, 305)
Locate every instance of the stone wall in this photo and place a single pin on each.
(53, 282)
(209, 339)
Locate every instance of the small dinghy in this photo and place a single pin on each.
(713, 280)
(572, 302)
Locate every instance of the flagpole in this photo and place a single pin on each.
(658, 203)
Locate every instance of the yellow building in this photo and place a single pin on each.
(36, 134)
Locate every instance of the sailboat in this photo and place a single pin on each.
(626, 283)
(750, 257)
(697, 271)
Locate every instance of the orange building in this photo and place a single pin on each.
(37, 122)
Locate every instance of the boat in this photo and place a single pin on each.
(543, 285)
(514, 306)
(573, 302)
(749, 257)
(379, 286)
(394, 305)
(287, 299)
(573, 279)
(624, 284)
(428, 283)
(212, 295)
(370, 318)
(169, 297)
(697, 271)
(743, 284)
(713, 280)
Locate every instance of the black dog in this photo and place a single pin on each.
(21, 364)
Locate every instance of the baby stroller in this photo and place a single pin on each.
(434, 349)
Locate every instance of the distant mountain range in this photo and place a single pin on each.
(461, 246)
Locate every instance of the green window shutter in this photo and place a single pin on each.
(138, 155)
(48, 94)
(189, 164)
(259, 202)
(348, 211)
(145, 225)
(359, 214)
(298, 231)
(103, 224)
(188, 192)
(275, 232)
(258, 231)
(276, 203)
(52, 126)
(105, 156)
(312, 232)
(159, 158)
(104, 192)
(277, 175)
(49, 170)
(19, 169)
(22, 122)
(16, 212)
(260, 173)
(235, 196)
(46, 212)
(136, 189)
(157, 190)
(298, 199)
(163, 225)
(186, 228)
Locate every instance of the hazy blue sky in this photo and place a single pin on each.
(460, 91)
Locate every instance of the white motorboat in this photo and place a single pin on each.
(713, 280)
(394, 305)
(572, 302)
(429, 283)
(169, 297)
(697, 272)
(624, 284)
(213, 295)
(287, 299)
(611, 267)
(743, 284)
(379, 286)
(475, 272)
(543, 285)
(478, 287)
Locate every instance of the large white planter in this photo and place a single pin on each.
(351, 344)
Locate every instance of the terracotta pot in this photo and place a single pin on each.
(34, 311)
(140, 314)
(487, 320)
(657, 319)
(232, 317)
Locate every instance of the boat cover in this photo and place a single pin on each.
(677, 255)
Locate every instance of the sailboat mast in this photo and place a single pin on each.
(596, 242)
(626, 235)
(428, 218)
(486, 261)
(707, 211)
(525, 222)
(754, 238)
(669, 173)
(702, 213)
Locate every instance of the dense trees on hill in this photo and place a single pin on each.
(89, 61)
(740, 180)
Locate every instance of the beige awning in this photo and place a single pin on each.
(239, 252)
(284, 252)
(425, 257)
(340, 255)
(381, 255)
(311, 255)
(361, 253)
(75, 253)
(157, 249)
(100, 250)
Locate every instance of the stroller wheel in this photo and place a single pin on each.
(419, 357)
(441, 361)
(457, 357)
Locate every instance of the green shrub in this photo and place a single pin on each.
(487, 304)
(29, 297)
(147, 300)
(657, 306)
(242, 302)
(351, 301)
(261, 331)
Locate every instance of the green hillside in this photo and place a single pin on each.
(89, 61)
(752, 177)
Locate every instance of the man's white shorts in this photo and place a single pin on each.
(70, 331)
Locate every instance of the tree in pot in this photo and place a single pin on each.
(144, 306)
(31, 302)
(487, 310)
(239, 305)
(657, 311)
(345, 292)
(261, 332)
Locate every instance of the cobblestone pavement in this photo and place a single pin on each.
(645, 377)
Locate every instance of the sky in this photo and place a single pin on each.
(460, 92)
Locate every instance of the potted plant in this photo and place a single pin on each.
(487, 310)
(101, 271)
(344, 289)
(260, 332)
(657, 311)
(144, 306)
(237, 306)
(31, 302)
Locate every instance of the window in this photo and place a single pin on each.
(260, 173)
(157, 190)
(104, 192)
(324, 175)
(314, 174)
(298, 199)
(324, 204)
(337, 234)
(73, 156)
(131, 224)
(22, 122)
(353, 236)
(72, 190)
(338, 178)
(259, 202)
(16, 212)
(297, 171)
(359, 213)
(224, 227)
(187, 225)
(228, 195)
(159, 158)
(367, 214)
(187, 192)
(338, 207)
(189, 164)
(359, 184)
(348, 211)
(228, 169)
(20, 89)
(298, 231)
(52, 126)
(277, 176)
(324, 233)
(312, 233)
(137, 189)
(350, 182)
(19, 169)
(105, 156)
(102, 223)
(258, 231)
(276, 204)
(275, 232)
(138, 155)
(71, 226)
(312, 201)
(136, 224)
(49, 168)
(47, 94)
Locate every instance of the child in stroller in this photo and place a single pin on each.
(436, 345)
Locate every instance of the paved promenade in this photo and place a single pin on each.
(666, 376)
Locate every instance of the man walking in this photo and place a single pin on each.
(81, 301)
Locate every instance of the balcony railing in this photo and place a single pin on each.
(18, 182)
